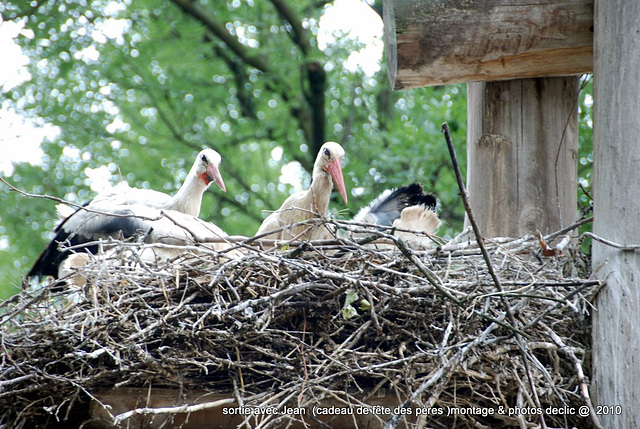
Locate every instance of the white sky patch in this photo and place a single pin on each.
(292, 174)
(276, 153)
(14, 71)
(98, 178)
(114, 8)
(338, 22)
(111, 28)
(88, 54)
(588, 100)
(20, 139)
(71, 152)
(117, 125)
(5, 244)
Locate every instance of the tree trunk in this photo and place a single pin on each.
(521, 155)
(317, 79)
(616, 321)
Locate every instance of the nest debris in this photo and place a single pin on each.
(340, 320)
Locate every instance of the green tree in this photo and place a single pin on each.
(244, 77)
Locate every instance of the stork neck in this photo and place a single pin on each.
(320, 189)
(188, 199)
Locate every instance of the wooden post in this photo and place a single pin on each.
(522, 155)
(616, 183)
(435, 42)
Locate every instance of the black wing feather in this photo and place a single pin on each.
(124, 224)
(387, 206)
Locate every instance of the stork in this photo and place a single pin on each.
(416, 224)
(167, 232)
(311, 203)
(187, 200)
(124, 212)
(387, 206)
(404, 208)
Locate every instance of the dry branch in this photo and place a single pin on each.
(426, 327)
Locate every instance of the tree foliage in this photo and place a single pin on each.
(244, 77)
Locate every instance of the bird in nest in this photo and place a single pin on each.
(284, 223)
(124, 212)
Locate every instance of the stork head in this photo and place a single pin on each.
(329, 158)
(205, 168)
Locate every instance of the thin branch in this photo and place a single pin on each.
(300, 35)
(627, 247)
(194, 9)
(584, 382)
(182, 409)
(487, 260)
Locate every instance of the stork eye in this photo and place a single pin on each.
(326, 152)
(203, 158)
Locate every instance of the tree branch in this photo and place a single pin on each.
(300, 35)
(194, 9)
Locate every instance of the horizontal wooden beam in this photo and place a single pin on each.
(436, 42)
(217, 409)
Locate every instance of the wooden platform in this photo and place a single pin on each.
(228, 414)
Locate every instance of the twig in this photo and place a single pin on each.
(171, 410)
(444, 372)
(485, 256)
(77, 206)
(303, 356)
(584, 387)
(627, 247)
(467, 208)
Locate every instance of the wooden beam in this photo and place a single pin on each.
(616, 180)
(219, 410)
(435, 42)
(522, 139)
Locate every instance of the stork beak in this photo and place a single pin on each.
(213, 175)
(335, 170)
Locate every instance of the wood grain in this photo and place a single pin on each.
(616, 180)
(440, 42)
(522, 155)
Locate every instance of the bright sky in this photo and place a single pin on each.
(20, 138)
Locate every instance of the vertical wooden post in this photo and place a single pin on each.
(616, 183)
(522, 154)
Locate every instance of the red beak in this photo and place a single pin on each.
(213, 175)
(335, 170)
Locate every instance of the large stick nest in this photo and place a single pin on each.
(290, 327)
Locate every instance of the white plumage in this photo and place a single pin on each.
(404, 208)
(167, 234)
(124, 212)
(187, 200)
(420, 221)
(311, 203)
(386, 207)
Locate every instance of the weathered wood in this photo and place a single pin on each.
(616, 180)
(435, 42)
(122, 400)
(521, 155)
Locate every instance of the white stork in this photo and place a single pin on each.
(421, 221)
(124, 212)
(311, 203)
(187, 200)
(404, 208)
(166, 231)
